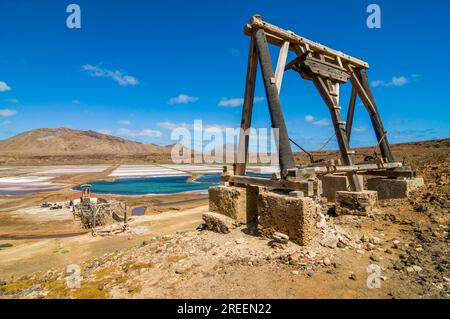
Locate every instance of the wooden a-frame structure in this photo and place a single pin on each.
(327, 69)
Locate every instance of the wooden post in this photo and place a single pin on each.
(94, 212)
(125, 220)
(247, 108)
(332, 102)
(350, 114)
(361, 83)
(286, 158)
(281, 64)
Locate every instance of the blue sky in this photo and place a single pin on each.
(138, 68)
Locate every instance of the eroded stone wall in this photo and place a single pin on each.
(295, 217)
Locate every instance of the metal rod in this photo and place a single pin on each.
(311, 158)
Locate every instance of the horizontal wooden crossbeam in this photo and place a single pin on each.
(278, 36)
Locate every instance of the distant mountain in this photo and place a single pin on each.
(65, 141)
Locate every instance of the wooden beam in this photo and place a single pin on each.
(361, 84)
(281, 64)
(275, 34)
(308, 187)
(350, 114)
(286, 158)
(247, 109)
(356, 168)
(338, 124)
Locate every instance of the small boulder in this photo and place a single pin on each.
(218, 222)
(280, 238)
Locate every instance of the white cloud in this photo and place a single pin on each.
(397, 81)
(378, 83)
(143, 133)
(7, 112)
(359, 128)
(322, 122)
(312, 120)
(4, 87)
(182, 99)
(6, 122)
(125, 122)
(116, 75)
(309, 118)
(235, 102)
(171, 126)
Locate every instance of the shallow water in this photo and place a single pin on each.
(153, 185)
(138, 211)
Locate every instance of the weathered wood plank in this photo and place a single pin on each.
(284, 50)
(286, 158)
(350, 114)
(275, 33)
(247, 109)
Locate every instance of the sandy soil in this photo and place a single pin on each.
(165, 256)
(39, 238)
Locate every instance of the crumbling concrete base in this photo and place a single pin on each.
(336, 183)
(218, 222)
(293, 216)
(238, 203)
(394, 188)
(356, 203)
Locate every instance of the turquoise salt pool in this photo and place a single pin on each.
(153, 185)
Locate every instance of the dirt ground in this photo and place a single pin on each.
(166, 254)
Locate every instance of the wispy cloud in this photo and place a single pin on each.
(6, 122)
(125, 122)
(116, 75)
(359, 128)
(182, 99)
(309, 118)
(312, 120)
(171, 125)
(397, 81)
(235, 102)
(4, 87)
(15, 101)
(414, 134)
(143, 133)
(7, 112)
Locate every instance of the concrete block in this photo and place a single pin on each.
(238, 203)
(356, 203)
(336, 183)
(394, 188)
(294, 216)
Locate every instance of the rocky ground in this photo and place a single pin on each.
(407, 240)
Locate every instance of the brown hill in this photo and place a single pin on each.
(69, 142)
